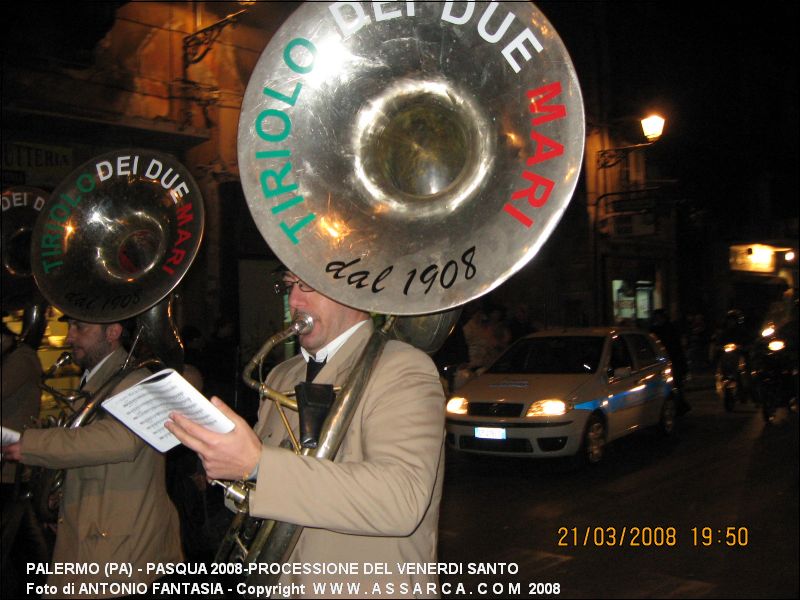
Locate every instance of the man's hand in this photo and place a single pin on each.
(12, 452)
(230, 456)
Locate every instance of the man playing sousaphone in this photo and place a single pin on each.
(115, 507)
(378, 501)
(359, 135)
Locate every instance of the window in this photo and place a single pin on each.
(620, 355)
(643, 351)
(552, 355)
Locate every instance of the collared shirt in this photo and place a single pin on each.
(87, 375)
(328, 351)
(323, 355)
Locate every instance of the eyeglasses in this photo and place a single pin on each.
(285, 287)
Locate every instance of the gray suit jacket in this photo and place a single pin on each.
(378, 502)
(115, 506)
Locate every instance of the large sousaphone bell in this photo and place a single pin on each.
(116, 237)
(21, 206)
(111, 243)
(404, 159)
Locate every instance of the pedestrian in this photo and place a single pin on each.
(670, 337)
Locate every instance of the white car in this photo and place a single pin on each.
(565, 392)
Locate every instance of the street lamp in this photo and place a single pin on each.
(198, 44)
(625, 208)
(652, 127)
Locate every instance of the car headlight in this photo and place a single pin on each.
(768, 331)
(729, 347)
(552, 407)
(776, 345)
(457, 405)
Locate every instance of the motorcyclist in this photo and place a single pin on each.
(733, 329)
(774, 362)
(732, 344)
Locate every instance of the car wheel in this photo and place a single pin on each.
(594, 440)
(666, 422)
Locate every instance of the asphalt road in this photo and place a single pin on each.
(723, 478)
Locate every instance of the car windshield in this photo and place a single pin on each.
(551, 355)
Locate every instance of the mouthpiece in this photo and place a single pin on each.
(302, 323)
(64, 359)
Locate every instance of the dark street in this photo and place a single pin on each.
(720, 471)
(395, 194)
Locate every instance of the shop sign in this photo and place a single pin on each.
(42, 165)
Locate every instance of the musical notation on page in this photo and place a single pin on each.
(145, 407)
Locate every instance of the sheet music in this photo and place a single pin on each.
(9, 436)
(145, 407)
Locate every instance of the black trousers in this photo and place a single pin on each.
(22, 541)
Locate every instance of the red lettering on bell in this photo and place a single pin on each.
(539, 187)
(539, 99)
(546, 148)
(183, 235)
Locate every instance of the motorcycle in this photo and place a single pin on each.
(732, 377)
(775, 369)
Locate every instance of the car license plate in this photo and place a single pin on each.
(490, 433)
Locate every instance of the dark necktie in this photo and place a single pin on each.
(312, 368)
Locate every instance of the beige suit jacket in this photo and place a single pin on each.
(21, 396)
(378, 502)
(115, 507)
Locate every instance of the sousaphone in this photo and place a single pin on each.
(21, 206)
(405, 158)
(111, 243)
(114, 240)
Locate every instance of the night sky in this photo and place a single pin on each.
(724, 76)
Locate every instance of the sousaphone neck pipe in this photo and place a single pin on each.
(302, 323)
(278, 539)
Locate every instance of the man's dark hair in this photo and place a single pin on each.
(128, 330)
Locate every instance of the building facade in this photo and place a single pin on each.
(170, 76)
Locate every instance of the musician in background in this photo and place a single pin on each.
(21, 395)
(378, 501)
(115, 506)
(22, 536)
